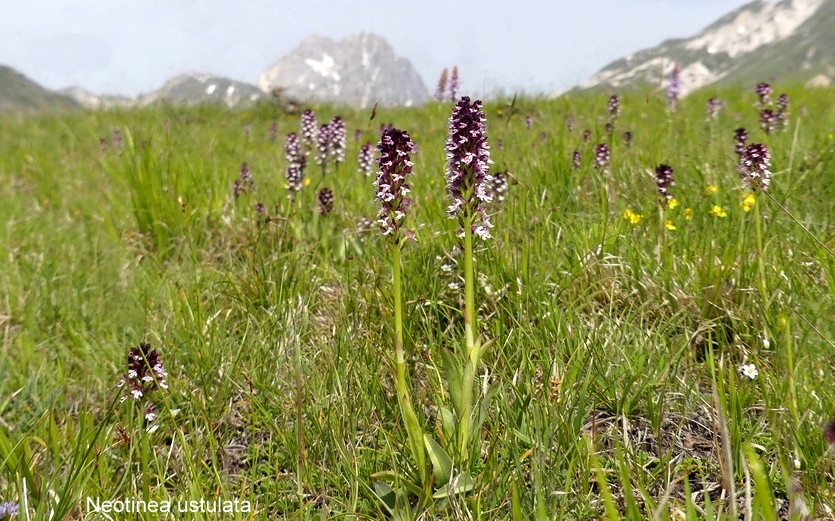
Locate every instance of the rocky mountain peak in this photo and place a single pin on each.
(360, 70)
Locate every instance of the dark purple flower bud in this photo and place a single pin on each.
(260, 209)
(441, 90)
(674, 88)
(468, 164)
(586, 135)
(308, 129)
(543, 136)
(145, 372)
(627, 138)
(609, 128)
(713, 108)
(357, 134)
(741, 140)
(392, 190)
(602, 157)
(829, 433)
(325, 201)
(764, 91)
(663, 181)
(754, 165)
(528, 122)
(337, 135)
(613, 107)
(569, 122)
(454, 84)
(576, 157)
(365, 159)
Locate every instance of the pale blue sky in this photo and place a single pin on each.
(133, 46)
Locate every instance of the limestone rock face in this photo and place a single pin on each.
(198, 89)
(762, 41)
(359, 71)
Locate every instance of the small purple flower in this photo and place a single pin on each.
(337, 135)
(260, 209)
(768, 120)
(441, 90)
(674, 88)
(782, 111)
(754, 165)
(244, 184)
(323, 145)
(308, 129)
(145, 372)
(569, 122)
(713, 108)
(663, 182)
(498, 188)
(325, 201)
(575, 159)
(613, 106)
(392, 190)
(609, 128)
(602, 157)
(586, 135)
(8, 510)
(528, 122)
(293, 150)
(103, 144)
(116, 139)
(763, 90)
(273, 131)
(627, 138)
(295, 179)
(357, 134)
(468, 163)
(741, 140)
(365, 159)
(454, 84)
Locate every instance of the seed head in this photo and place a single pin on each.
(392, 190)
(468, 164)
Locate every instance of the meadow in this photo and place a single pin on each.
(637, 358)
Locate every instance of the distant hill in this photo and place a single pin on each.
(91, 100)
(359, 70)
(792, 40)
(200, 89)
(19, 93)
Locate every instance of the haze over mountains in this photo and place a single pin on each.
(789, 40)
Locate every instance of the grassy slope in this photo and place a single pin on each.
(279, 333)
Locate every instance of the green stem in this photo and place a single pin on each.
(468, 377)
(761, 282)
(404, 400)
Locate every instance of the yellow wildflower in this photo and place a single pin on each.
(672, 203)
(631, 216)
(670, 225)
(718, 211)
(748, 202)
(306, 181)
(712, 189)
(688, 213)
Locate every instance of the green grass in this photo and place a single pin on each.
(618, 391)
